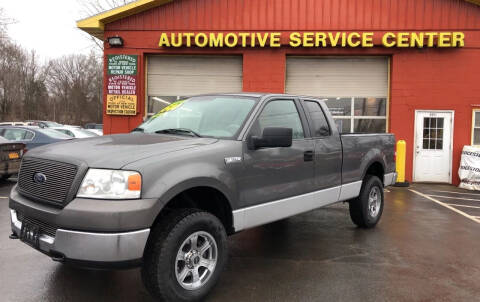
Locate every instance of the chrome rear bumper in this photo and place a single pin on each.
(390, 179)
(90, 247)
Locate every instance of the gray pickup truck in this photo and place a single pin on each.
(166, 196)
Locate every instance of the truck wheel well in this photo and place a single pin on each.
(376, 169)
(206, 199)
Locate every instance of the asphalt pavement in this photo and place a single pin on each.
(421, 250)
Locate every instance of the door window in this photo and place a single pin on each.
(433, 133)
(319, 122)
(281, 113)
(29, 135)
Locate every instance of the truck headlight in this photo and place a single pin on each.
(111, 184)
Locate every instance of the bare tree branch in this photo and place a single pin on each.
(93, 7)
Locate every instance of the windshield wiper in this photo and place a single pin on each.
(138, 130)
(178, 131)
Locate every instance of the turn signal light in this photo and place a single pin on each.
(135, 182)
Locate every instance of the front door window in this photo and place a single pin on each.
(281, 113)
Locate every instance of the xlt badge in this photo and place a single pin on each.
(232, 160)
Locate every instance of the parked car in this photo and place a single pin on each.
(166, 196)
(76, 132)
(95, 128)
(72, 126)
(14, 124)
(44, 124)
(96, 131)
(32, 136)
(10, 157)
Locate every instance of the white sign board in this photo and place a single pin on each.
(469, 171)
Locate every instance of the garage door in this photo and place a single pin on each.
(355, 89)
(171, 78)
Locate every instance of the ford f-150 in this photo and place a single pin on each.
(166, 196)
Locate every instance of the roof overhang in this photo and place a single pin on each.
(477, 2)
(95, 25)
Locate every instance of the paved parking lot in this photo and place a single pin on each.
(422, 250)
(463, 202)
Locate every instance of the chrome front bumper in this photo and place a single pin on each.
(90, 247)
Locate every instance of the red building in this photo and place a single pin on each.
(407, 67)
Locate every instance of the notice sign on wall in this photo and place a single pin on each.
(121, 104)
(122, 85)
(122, 64)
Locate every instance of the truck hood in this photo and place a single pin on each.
(116, 151)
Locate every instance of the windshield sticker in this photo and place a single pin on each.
(170, 107)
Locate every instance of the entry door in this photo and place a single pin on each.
(433, 146)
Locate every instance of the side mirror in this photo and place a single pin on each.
(324, 131)
(272, 137)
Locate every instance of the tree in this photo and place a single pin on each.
(75, 85)
(22, 80)
(4, 22)
(67, 89)
(93, 7)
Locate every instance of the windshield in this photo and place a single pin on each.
(212, 116)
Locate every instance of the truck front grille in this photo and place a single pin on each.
(44, 227)
(52, 186)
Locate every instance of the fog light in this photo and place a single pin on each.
(115, 41)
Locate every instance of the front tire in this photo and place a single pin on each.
(366, 210)
(184, 256)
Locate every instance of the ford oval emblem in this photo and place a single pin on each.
(39, 178)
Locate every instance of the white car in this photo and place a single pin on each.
(98, 132)
(14, 124)
(76, 132)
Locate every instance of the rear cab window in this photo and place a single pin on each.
(317, 120)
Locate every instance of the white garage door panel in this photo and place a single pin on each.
(186, 75)
(337, 77)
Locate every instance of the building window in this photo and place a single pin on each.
(476, 127)
(359, 114)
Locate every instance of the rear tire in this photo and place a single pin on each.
(366, 210)
(184, 256)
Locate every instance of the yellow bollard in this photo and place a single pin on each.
(401, 154)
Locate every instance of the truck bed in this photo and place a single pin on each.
(359, 151)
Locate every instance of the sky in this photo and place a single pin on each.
(47, 26)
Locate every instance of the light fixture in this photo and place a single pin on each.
(115, 41)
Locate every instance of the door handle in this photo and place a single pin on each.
(308, 155)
